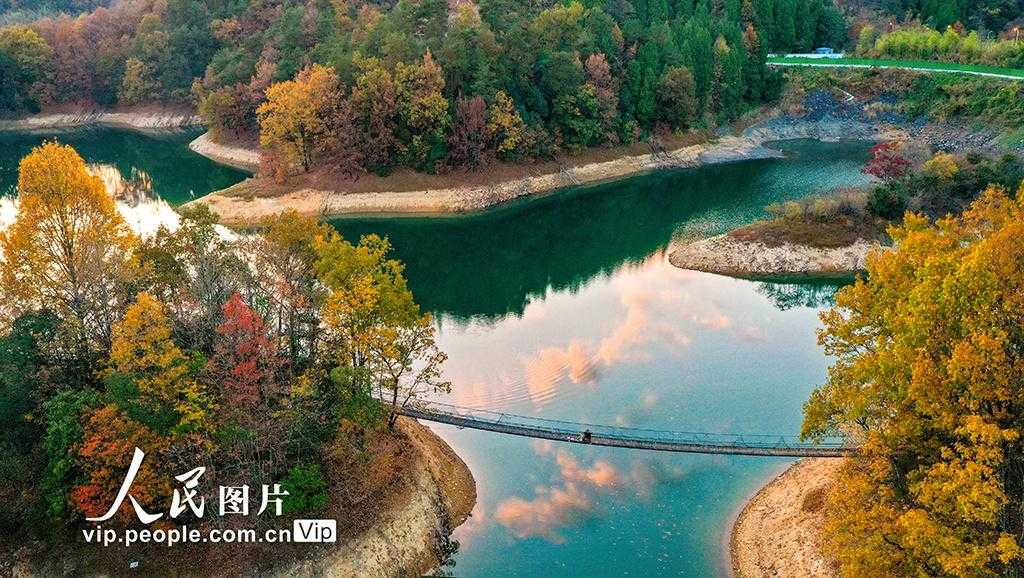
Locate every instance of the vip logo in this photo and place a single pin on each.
(315, 531)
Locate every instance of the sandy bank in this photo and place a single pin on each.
(138, 120)
(240, 205)
(726, 255)
(409, 537)
(778, 533)
(247, 159)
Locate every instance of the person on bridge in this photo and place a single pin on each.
(587, 438)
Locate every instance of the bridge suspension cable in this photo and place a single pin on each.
(624, 437)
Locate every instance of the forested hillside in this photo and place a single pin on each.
(573, 74)
(991, 15)
(49, 6)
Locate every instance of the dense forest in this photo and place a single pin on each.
(572, 74)
(257, 357)
(50, 6)
(990, 15)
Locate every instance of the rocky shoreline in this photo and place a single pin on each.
(412, 535)
(726, 255)
(238, 205)
(778, 532)
(136, 120)
(246, 202)
(240, 157)
(409, 536)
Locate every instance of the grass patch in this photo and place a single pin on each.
(928, 65)
(819, 232)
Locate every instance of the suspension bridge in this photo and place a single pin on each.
(623, 437)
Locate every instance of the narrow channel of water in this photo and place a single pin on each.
(177, 173)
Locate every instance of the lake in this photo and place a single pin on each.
(178, 174)
(566, 307)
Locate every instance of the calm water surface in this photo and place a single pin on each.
(178, 173)
(567, 308)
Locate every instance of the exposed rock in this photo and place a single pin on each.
(133, 120)
(410, 538)
(429, 495)
(726, 255)
(828, 118)
(827, 130)
(240, 157)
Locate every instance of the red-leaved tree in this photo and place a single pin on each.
(467, 145)
(886, 162)
(245, 363)
(246, 367)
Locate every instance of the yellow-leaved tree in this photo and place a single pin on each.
(146, 361)
(384, 348)
(69, 250)
(297, 113)
(507, 126)
(929, 375)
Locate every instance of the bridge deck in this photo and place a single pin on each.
(667, 441)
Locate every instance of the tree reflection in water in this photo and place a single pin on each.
(814, 294)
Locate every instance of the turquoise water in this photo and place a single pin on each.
(178, 174)
(566, 307)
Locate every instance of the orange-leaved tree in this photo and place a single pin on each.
(108, 443)
(69, 251)
(929, 374)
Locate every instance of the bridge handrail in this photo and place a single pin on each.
(568, 428)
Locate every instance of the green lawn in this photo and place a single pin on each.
(913, 64)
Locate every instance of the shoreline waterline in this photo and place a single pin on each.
(132, 120)
(236, 208)
(730, 524)
(244, 204)
(778, 529)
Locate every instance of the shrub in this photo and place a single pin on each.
(924, 43)
(942, 166)
(792, 210)
(307, 490)
(885, 202)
